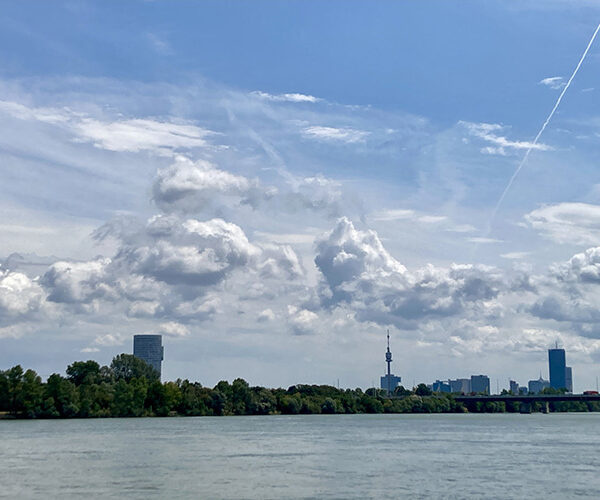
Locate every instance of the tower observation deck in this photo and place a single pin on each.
(389, 381)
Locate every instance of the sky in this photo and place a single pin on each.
(273, 185)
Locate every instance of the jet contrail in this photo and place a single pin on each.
(539, 134)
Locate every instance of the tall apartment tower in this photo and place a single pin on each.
(480, 384)
(150, 349)
(560, 374)
(389, 381)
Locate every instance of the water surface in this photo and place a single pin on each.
(312, 456)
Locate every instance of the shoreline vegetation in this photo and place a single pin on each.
(131, 388)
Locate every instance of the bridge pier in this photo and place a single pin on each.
(546, 407)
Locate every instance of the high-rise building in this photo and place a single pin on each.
(537, 386)
(480, 384)
(460, 385)
(389, 381)
(514, 387)
(150, 349)
(440, 386)
(569, 379)
(558, 368)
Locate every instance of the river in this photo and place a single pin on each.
(304, 456)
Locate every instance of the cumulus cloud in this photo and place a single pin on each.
(570, 293)
(302, 321)
(345, 255)
(77, 282)
(189, 186)
(567, 223)
(168, 268)
(20, 296)
(333, 134)
(554, 82)
(499, 144)
(583, 267)
(359, 271)
(191, 252)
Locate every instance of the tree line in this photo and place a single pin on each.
(129, 387)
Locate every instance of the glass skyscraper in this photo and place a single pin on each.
(150, 349)
(558, 368)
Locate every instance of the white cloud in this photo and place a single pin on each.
(347, 135)
(110, 339)
(489, 132)
(483, 241)
(77, 282)
(393, 214)
(554, 82)
(515, 255)
(190, 186)
(129, 135)
(302, 321)
(291, 97)
(141, 134)
(173, 329)
(19, 296)
(583, 267)
(359, 272)
(567, 223)
(265, 316)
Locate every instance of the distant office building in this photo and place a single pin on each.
(514, 387)
(569, 379)
(389, 381)
(480, 384)
(523, 390)
(558, 368)
(460, 385)
(150, 349)
(537, 386)
(440, 386)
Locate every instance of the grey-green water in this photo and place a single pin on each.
(314, 456)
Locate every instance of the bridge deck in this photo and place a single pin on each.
(530, 398)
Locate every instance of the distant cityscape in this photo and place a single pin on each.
(561, 378)
(150, 349)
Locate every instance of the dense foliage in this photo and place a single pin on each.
(131, 388)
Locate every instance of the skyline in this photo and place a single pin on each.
(271, 187)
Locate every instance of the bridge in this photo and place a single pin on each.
(527, 400)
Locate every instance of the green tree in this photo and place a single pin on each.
(81, 372)
(4, 392)
(32, 392)
(127, 367)
(15, 389)
(423, 390)
(240, 396)
(64, 394)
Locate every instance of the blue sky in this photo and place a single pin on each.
(319, 171)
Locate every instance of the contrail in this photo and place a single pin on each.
(539, 134)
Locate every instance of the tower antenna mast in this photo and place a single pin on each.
(388, 360)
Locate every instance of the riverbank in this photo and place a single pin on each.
(130, 388)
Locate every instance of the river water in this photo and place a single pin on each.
(312, 456)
